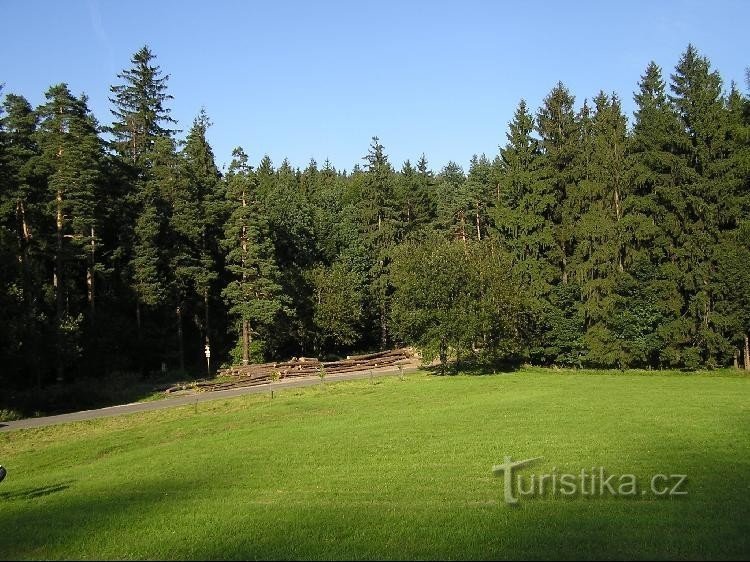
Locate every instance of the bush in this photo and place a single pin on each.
(455, 299)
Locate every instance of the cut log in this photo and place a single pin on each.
(261, 373)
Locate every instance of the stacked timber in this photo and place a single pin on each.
(250, 375)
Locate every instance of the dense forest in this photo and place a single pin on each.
(588, 240)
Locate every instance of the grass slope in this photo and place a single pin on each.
(395, 469)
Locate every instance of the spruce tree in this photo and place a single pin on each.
(559, 140)
(454, 200)
(139, 108)
(560, 171)
(143, 141)
(292, 228)
(253, 295)
(522, 221)
(413, 196)
(697, 98)
(382, 228)
(599, 247)
(479, 187)
(650, 301)
(205, 200)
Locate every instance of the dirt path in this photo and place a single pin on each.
(193, 398)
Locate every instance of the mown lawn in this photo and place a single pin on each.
(395, 469)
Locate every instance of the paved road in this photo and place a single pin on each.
(189, 399)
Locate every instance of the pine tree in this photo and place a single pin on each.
(253, 295)
(71, 154)
(12, 309)
(22, 218)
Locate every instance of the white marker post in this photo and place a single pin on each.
(208, 359)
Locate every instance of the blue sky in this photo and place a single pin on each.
(318, 79)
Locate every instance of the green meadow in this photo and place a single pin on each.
(392, 469)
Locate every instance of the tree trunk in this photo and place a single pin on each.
(59, 288)
(618, 216)
(139, 337)
(90, 279)
(245, 323)
(245, 342)
(206, 317)
(479, 230)
(443, 352)
(180, 339)
(747, 352)
(29, 332)
(383, 328)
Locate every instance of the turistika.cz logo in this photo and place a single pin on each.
(594, 482)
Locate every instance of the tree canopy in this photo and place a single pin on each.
(589, 239)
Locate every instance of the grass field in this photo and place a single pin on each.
(395, 469)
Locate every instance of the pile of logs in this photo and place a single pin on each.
(263, 373)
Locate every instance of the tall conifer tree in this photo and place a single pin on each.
(253, 295)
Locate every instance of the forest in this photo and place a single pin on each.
(589, 240)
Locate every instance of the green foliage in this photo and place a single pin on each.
(610, 246)
(256, 350)
(253, 293)
(338, 297)
(139, 108)
(456, 300)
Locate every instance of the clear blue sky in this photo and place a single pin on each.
(318, 79)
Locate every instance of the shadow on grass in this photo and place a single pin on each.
(88, 393)
(473, 368)
(158, 519)
(38, 492)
